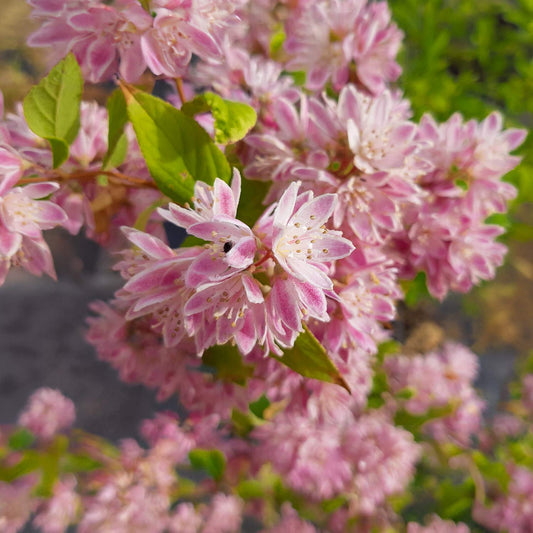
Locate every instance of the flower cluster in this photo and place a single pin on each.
(213, 293)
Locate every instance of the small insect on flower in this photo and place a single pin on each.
(227, 246)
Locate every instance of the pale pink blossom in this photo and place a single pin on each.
(290, 521)
(438, 525)
(436, 380)
(362, 148)
(510, 510)
(224, 514)
(17, 503)
(61, 509)
(105, 39)
(47, 413)
(329, 37)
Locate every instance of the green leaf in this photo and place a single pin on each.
(251, 489)
(211, 461)
(117, 143)
(454, 499)
(227, 363)
(52, 108)
(144, 216)
(309, 358)
(414, 423)
(177, 150)
(251, 202)
(79, 463)
(380, 384)
(493, 470)
(259, 406)
(276, 42)
(243, 423)
(233, 120)
(21, 439)
(416, 290)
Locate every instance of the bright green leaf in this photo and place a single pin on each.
(79, 463)
(259, 406)
(52, 108)
(228, 364)
(309, 358)
(251, 489)
(211, 461)
(144, 216)
(177, 150)
(251, 202)
(117, 143)
(21, 439)
(414, 423)
(416, 290)
(233, 120)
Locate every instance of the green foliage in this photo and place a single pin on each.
(117, 143)
(416, 290)
(455, 499)
(413, 423)
(259, 406)
(227, 363)
(251, 204)
(309, 358)
(75, 463)
(233, 120)
(52, 108)
(21, 439)
(177, 150)
(212, 462)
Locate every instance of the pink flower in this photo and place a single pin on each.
(61, 509)
(224, 514)
(103, 38)
(510, 510)
(301, 243)
(23, 216)
(328, 37)
(181, 29)
(290, 521)
(17, 503)
(439, 379)
(438, 525)
(47, 413)
(185, 519)
(361, 148)
(213, 219)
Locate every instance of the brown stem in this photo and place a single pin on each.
(179, 87)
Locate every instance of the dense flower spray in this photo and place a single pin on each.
(310, 199)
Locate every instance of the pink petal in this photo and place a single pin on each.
(226, 229)
(285, 205)
(205, 268)
(253, 291)
(313, 299)
(9, 242)
(224, 199)
(151, 245)
(155, 277)
(309, 273)
(284, 302)
(242, 253)
(316, 212)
